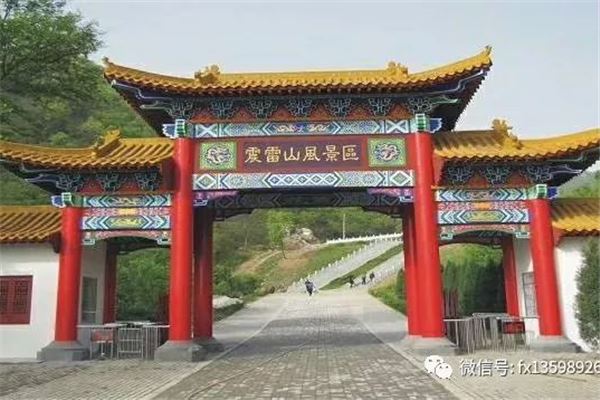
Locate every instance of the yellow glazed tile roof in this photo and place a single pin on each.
(500, 144)
(211, 80)
(577, 217)
(21, 224)
(110, 152)
(114, 152)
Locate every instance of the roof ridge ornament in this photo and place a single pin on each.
(395, 68)
(503, 132)
(107, 63)
(208, 74)
(106, 143)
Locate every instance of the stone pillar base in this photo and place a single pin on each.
(63, 351)
(430, 346)
(210, 344)
(180, 351)
(554, 344)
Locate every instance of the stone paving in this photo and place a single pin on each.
(125, 379)
(24, 375)
(336, 345)
(316, 349)
(521, 385)
(103, 380)
(383, 321)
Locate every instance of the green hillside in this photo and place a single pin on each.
(52, 95)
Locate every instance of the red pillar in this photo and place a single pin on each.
(110, 284)
(410, 272)
(181, 242)
(203, 274)
(426, 237)
(542, 255)
(510, 277)
(69, 276)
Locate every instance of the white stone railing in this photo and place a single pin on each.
(383, 271)
(371, 238)
(345, 265)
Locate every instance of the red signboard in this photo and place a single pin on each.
(513, 327)
(302, 154)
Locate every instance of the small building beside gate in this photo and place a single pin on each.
(29, 268)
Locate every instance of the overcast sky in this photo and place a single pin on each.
(544, 80)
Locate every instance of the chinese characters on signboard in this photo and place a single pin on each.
(300, 154)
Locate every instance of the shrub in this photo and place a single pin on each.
(476, 273)
(588, 296)
(239, 285)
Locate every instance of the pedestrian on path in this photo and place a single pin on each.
(364, 279)
(310, 287)
(371, 276)
(351, 281)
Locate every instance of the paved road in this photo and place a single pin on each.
(316, 348)
(280, 347)
(294, 347)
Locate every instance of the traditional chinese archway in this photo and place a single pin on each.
(230, 143)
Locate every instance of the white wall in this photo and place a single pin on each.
(40, 261)
(569, 260)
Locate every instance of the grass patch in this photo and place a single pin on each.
(277, 273)
(391, 292)
(363, 269)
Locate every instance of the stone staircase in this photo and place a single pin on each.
(344, 265)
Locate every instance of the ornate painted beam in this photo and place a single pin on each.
(497, 174)
(482, 212)
(470, 195)
(73, 181)
(157, 218)
(296, 128)
(232, 199)
(495, 194)
(112, 200)
(281, 200)
(162, 237)
(338, 179)
(450, 232)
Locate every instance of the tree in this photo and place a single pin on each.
(43, 61)
(475, 272)
(142, 280)
(588, 185)
(588, 296)
(50, 93)
(279, 224)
